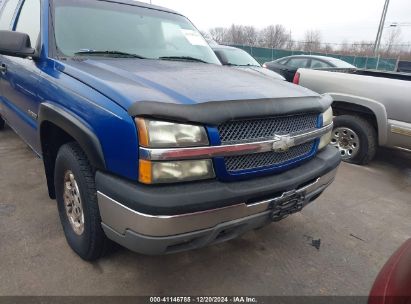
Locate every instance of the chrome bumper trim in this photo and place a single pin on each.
(121, 218)
(277, 143)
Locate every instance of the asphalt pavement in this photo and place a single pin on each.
(335, 246)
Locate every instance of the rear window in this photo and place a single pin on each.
(298, 62)
(282, 61)
(318, 64)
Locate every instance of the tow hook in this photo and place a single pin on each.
(290, 202)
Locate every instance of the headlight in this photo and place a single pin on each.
(155, 134)
(175, 171)
(327, 119)
(161, 134)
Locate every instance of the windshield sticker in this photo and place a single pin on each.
(194, 37)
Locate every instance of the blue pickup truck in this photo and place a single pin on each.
(147, 140)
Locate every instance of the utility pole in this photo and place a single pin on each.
(381, 28)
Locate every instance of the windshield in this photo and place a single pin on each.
(85, 27)
(238, 57)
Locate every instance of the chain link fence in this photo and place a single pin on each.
(363, 62)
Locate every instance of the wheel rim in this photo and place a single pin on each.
(72, 202)
(346, 141)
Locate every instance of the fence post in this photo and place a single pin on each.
(397, 64)
(378, 62)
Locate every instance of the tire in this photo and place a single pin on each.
(82, 226)
(2, 123)
(356, 135)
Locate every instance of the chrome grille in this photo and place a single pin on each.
(266, 159)
(241, 131)
(252, 130)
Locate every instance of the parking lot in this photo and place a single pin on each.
(361, 220)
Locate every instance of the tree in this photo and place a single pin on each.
(363, 48)
(250, 35)
(392, 40)
(312, 41)
(345, 47)
(274, 36)
(235, 34)
(290, 43)
(328, 48)
(219, 34)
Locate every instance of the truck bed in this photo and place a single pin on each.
(374, 73)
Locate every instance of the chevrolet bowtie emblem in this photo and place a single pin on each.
(282, 143)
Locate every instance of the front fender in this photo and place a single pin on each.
(75, 128)
(374, 106)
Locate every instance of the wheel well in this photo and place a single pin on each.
(52, 138)
(345, 108)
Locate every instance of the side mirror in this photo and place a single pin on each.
(15, 44)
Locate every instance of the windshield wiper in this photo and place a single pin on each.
(188, 58)
(240, 65)
(119, 53)
(247, 65)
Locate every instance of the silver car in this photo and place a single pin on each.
(240, 59)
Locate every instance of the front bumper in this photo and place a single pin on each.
(197, 225)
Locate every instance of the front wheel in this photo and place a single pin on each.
(355, 138)
(77, 203)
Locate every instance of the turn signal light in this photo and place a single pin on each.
(145, 175)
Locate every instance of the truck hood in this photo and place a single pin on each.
(130, 81)
(262, 71)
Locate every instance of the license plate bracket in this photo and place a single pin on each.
(289, 203)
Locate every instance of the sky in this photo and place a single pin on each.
(338, 20)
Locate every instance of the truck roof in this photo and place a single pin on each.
(139, 3)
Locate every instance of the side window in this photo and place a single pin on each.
(298, 62)
(283, 61)
(318, 64)
(29, 20)
(7, 14)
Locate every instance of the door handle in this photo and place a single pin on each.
(3, 68)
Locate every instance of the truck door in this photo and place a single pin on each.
(20, 78)
(7, 11)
